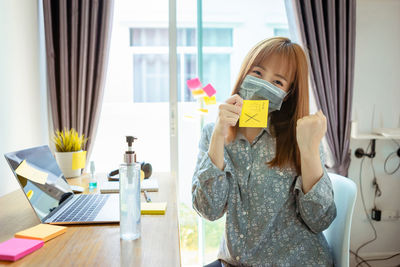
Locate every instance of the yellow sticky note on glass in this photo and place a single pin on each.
(43, 232)
(202, 110)
(30, 173)
(78, 160)
(254, 114)
(210, 100)
(198, 92)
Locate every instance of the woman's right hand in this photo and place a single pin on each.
(228, 115)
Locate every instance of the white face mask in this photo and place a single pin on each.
(253, 88)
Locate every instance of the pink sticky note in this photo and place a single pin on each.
(16, 248)
(209, 90)
(194, 83)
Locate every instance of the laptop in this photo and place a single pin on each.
(52, 199)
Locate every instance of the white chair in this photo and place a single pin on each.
(338, 233)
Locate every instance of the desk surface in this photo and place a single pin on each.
(99, 245)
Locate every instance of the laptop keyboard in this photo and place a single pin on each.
(84, 209)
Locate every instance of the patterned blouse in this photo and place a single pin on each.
(269, 220)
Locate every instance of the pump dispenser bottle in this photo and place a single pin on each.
(129, 194)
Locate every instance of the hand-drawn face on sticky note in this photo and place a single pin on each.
(254, 114)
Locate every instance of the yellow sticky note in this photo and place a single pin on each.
(153, 208)
(43, 232)
(254, 114)
(202, 110)
(30, 173)
(198, 92)
(210, 100)
(29, 194)
(78, 160)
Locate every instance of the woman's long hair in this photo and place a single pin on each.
(295, 105)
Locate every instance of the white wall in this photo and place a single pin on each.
(377, 70)
(23, 118)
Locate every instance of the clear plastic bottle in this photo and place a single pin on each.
(93, 180)
(129, 196)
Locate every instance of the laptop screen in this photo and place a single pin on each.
(44, 194)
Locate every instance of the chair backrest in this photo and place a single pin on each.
(338, 233)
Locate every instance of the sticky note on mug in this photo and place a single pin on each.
(254, 114)
(78, 160)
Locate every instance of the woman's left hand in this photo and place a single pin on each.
(309, 132)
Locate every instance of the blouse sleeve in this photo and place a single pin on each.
(210, 186)
(316, 207)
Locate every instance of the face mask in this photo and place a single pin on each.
(253, 88)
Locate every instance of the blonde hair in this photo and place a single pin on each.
(296, 103)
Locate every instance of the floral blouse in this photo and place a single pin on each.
(269, 220)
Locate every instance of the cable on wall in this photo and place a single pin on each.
(378, 193)
(390, 156)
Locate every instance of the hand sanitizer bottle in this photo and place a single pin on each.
(92, 180)
(129, 194)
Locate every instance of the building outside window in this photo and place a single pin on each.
(149, 47)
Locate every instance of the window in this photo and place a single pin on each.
(150, 61)
(284, 32)
(136, 99)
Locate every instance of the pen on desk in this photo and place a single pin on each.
(148, 199)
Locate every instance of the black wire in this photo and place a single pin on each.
(368, 217)
(387, 159)
(381, 259)
(362, 259)
(366, 213)
(378, 191)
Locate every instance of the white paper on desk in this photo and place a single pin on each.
(150, 185)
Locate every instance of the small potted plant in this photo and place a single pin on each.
(70, 156)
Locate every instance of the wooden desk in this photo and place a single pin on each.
(99, 245)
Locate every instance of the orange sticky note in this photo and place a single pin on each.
(43, 232)
(78, 160)
(254, 114)
(210, 100)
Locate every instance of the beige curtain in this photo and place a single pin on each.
(77, 37)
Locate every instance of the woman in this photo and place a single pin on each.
(270, 182)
